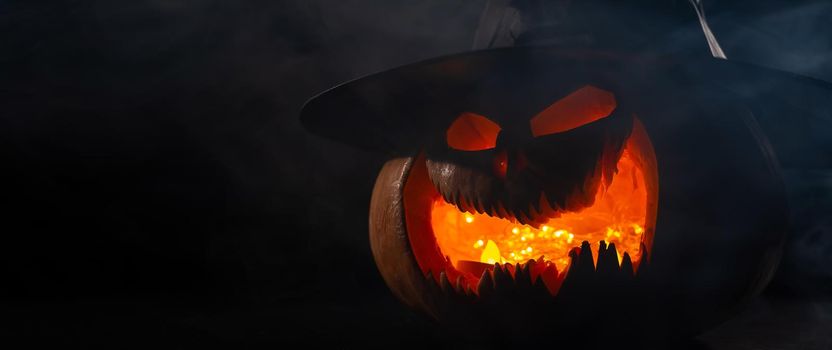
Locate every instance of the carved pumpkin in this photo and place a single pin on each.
(537, 191)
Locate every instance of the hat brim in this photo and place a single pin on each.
(395, 110)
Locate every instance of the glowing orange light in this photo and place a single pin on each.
(619, 215)
(491, 253)
(581, 107)
(472, 132)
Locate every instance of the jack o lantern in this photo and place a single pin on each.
(534, 191)
(492, 198)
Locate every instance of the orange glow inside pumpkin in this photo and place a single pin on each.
(472, 132)
(618, 215)
(581, 107)
(462, 246)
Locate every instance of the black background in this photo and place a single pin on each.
(157, 187)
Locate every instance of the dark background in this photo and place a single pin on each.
(158, 189)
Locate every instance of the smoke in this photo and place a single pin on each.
(165, 133)
(791, 36)
(796, 39)
(153, 147)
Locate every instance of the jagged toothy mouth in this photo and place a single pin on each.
(534, 212)
(538, 213)
(511, 252)
(468, 242)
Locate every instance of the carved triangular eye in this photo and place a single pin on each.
(579, 108)
(472, 132)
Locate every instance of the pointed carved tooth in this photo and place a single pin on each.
(434, 291)
(458, 197)
(492, 211)
(581, 265)
(520, 271)
(541, 203)
(445, 284)
(448, 199)
(586, 254)
(534, 206)
(468, 291)
(522, 212)
(546, 208)
(643, 260)
(460, 201)
(504, 213)
(573, 257)
(446, 194)
(501, 210)
(486, 286)
(572, 201)
(434, 294)
(498, 211)
(454, 198)
(472, 205)
(469, 207)
(534, 215)
(562, 274)
(550, 278)
(612, 252)
(579, 277)
(555, 205)
(510, 213)
(627, 266)
(508, 267)
(643, 264)
(502, 279)
(536, 220)
(611, 170)
(478, 205)
(523, 275)
(521, 217)
(608, 260)
(463, 202)
(486, 206)
(642, 249)
(539, 266)
(602, 249)
(532, 269)
(459, 285)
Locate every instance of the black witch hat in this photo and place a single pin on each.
(528, 53)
